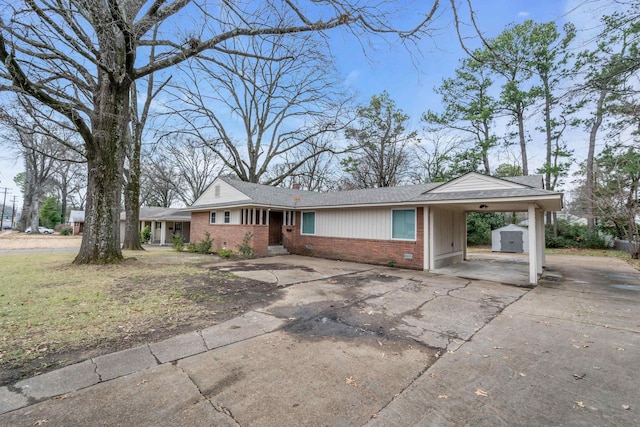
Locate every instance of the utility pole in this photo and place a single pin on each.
(13, 213)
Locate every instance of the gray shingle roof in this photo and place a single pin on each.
(266, 195)
(148, 213)
(287, 197)
(534, 181)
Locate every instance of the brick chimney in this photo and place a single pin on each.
(296, 186)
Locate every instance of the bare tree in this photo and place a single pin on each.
(182, 166)
(43, 155)
(78, 60)
(159, 181)
(253, 111)
(319, 172)
(434, 156)
(69, 180)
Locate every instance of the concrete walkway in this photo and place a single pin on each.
(350, 344)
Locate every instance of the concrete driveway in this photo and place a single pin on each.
(351, 344)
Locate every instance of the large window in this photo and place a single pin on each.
(212, 219)
(403, 224)
(308, 223)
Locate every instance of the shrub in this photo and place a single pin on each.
(225, 253)
(573, 236)
(177, 242)
(145, 234)
(244, 248)
(201, 247)
(67, 231)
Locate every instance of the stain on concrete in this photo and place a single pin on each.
(260, 267)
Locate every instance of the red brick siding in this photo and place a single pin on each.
(232, 234)
(358, 250)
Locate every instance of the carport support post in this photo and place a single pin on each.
(541, 238)
(533, 244)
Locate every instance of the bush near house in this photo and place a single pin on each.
(225, 253)
(145, 234)
(203, 246)
(245, 249)
(178, 242)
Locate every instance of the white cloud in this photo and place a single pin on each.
(523, 14)
(352, 78)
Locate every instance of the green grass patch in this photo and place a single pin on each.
(49, 305)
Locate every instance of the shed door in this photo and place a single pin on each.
(511, 241)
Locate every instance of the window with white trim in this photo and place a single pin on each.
(308, 223)
(403, 224)
(212, 218)
(227, 217)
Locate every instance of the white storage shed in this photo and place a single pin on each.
(511, 238)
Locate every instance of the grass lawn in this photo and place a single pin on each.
(53, 313)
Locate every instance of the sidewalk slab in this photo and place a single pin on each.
(124, 362)
(163, 395)
(64, 380)
(11, 400)
(247, 326)
(178, 347)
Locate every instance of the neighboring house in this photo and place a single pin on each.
(76, 221)
(420, 226)
(163, 222)
(510, 238)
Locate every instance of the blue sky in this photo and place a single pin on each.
(410, 80)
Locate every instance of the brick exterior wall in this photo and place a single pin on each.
(358, 250)
(232, 234)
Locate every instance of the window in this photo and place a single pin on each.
(178, 227)
(403, 224)
(308, 223)
(227, 217)
(212, 219)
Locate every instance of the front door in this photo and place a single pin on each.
(275, 228)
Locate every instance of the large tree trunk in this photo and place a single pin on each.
(523, 143)
(589, 185)
(34, 212)
(132, 208)
(105, 168)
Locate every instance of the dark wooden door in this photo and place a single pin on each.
(275, 228)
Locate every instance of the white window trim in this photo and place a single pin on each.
(415, 225)
(216, 219)
(302, 223)
(226, 217)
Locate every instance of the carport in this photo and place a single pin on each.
(446, 208)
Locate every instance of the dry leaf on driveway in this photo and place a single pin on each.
(481, 393)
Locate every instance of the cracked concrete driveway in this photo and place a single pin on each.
(351, 344)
